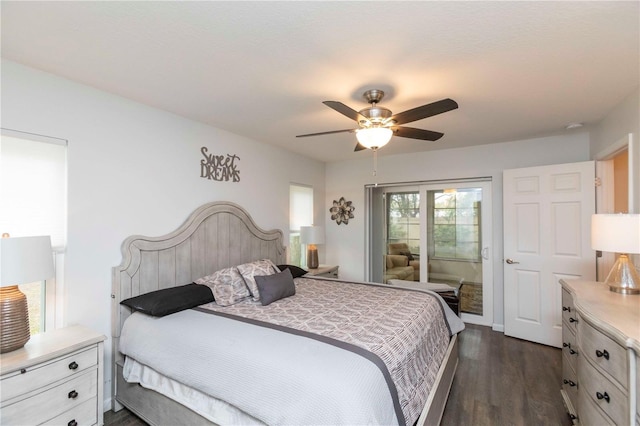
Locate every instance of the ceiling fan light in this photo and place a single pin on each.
(374, 137)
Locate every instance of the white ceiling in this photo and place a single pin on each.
(261, 69)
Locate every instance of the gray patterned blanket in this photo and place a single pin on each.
(404, 332)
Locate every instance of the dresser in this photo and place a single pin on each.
(329, 271)
(55, 379)
(600, 354)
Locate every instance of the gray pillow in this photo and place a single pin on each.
(275, 287)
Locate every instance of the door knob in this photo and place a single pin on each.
(511, 261)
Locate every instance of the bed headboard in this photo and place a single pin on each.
(215, 236)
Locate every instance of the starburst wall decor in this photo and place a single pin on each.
(342, 211)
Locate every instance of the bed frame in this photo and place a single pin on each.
(215, 236)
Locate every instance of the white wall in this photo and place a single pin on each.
(345, 244)
(136, 170)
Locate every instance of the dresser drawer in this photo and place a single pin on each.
(603, 352)
(52, 402)
(570, 346)
(602, 392)
(569, 314)
(590, 414)
(83, 415)
(17, 383)
(570, 382)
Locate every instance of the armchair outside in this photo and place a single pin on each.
(413, 259)
(397, 267)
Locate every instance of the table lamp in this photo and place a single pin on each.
(312, 235)
(23, 260)
(618, 233)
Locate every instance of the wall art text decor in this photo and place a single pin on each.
(219, 167)
(342, 211)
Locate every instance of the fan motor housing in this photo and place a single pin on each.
(376, 114)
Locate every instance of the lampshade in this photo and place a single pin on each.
(311, 235)
(618, 233)
(25, 260)
(374, 137)
(22, 261)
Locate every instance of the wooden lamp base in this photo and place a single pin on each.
(14, 319)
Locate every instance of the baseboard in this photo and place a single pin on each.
(498, 327)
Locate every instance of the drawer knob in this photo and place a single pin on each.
(602, 354)
(566, 308)
(569, 382)
(572, 352)
(72, 423)
(73, 394)
(604, 396)
(573, 320)
(73, 366)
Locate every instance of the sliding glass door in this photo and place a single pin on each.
(438, 232)
(456, 241)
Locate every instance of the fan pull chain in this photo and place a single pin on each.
(375, 166)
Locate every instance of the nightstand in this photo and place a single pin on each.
(329, 271)
(56, 378)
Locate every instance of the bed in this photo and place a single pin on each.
(268, 370)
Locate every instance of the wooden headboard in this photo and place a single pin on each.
(215, 236)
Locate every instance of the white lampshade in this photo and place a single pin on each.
(312, 235)
(374, 137)
(25, 260)
(616, 233)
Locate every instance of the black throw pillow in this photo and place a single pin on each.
(170, 300)
(296, 271)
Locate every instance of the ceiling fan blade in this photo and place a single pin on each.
(326, 133)
(359, 147)
(346, 111)
(424, 111)
(410, 132)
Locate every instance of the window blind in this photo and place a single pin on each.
(33, 189)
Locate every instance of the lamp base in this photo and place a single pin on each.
(623, 277)
(312, 258)
(14, 319)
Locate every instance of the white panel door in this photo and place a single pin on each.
(547, 237)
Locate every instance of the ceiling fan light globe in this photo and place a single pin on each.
(374, 137)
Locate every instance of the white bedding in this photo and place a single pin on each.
(302, 381)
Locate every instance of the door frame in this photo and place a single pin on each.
(605, 188)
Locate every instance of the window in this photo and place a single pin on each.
(456, 229)
(300, 214)
(33, 202)
(403, 219)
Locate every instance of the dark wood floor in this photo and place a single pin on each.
(500, 381)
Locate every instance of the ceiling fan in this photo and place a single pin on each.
(376, 124)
